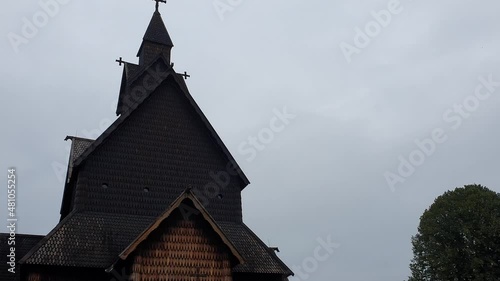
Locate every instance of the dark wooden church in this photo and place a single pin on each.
(156, 197)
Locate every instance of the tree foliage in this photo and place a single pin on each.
(459, 237)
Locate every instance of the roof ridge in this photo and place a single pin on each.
(176, 204)
(136, 104)
(213, 132)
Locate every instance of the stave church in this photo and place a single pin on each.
(156, 197)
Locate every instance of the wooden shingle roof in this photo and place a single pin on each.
(96, 240)
(189, 147)
(261, 258)
(180, 203)
(169, 72)
(87, 239)
(157, 32)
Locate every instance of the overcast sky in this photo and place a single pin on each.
(365, 83)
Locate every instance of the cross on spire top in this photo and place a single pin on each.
(158, 3)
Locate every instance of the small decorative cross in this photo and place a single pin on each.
(185, 75)
(120, 61)
(158, 3)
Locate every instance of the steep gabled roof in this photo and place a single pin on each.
(157, 32)
(87, 239)
(170, 73)
(96, 240)
(187, 195)
(261, 259)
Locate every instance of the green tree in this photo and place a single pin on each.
(459, 237)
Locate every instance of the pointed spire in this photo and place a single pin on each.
(157, 32)
(156, 40)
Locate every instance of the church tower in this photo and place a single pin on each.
(157, 196)
(156, 41)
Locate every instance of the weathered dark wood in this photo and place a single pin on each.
(180, 247)
(123, 215)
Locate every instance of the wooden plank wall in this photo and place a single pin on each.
(182, 250)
